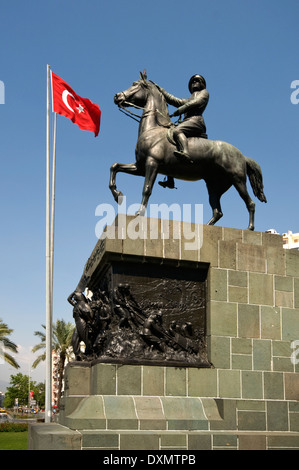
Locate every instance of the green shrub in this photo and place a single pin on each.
(13, 427)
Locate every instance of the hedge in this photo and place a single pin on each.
(13, 427)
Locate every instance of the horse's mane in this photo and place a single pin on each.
(163, 112)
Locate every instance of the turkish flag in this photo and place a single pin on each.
(81, 111)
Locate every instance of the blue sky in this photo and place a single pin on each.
(247, 52)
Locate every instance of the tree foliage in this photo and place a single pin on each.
(61, 344)
(19, 389)
(7, 345)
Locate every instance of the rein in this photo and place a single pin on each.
(129, 113)
(132, 115)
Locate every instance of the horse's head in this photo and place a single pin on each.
(144, 94)
(136, 95)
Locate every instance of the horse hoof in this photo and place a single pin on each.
(119, 197)
(141, 211)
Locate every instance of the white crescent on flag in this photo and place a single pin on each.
(64, 98)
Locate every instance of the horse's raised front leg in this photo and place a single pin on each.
(151, 171)
(130, 168)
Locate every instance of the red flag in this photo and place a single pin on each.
(81, 111)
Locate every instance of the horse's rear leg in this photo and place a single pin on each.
(214, 200)
(130, 168)
(215, 191)
(242, 190)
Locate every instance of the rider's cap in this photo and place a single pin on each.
(196, 76)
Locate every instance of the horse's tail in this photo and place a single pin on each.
(254, 173)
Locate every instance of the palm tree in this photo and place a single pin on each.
(61, 344)
(7, 345)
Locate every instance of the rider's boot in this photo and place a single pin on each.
(182, 144)
(167, 183)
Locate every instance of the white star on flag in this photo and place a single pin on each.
(80, 108)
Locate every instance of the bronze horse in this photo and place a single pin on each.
(219, 164)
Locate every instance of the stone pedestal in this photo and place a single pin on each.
(248, 396)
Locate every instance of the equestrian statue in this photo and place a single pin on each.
(183, 151)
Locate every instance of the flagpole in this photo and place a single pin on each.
(53, 209)
(48, 384)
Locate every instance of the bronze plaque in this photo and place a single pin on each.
(153, 314)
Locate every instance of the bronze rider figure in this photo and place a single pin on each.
(193, 124)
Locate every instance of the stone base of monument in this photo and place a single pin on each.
(240, 392)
